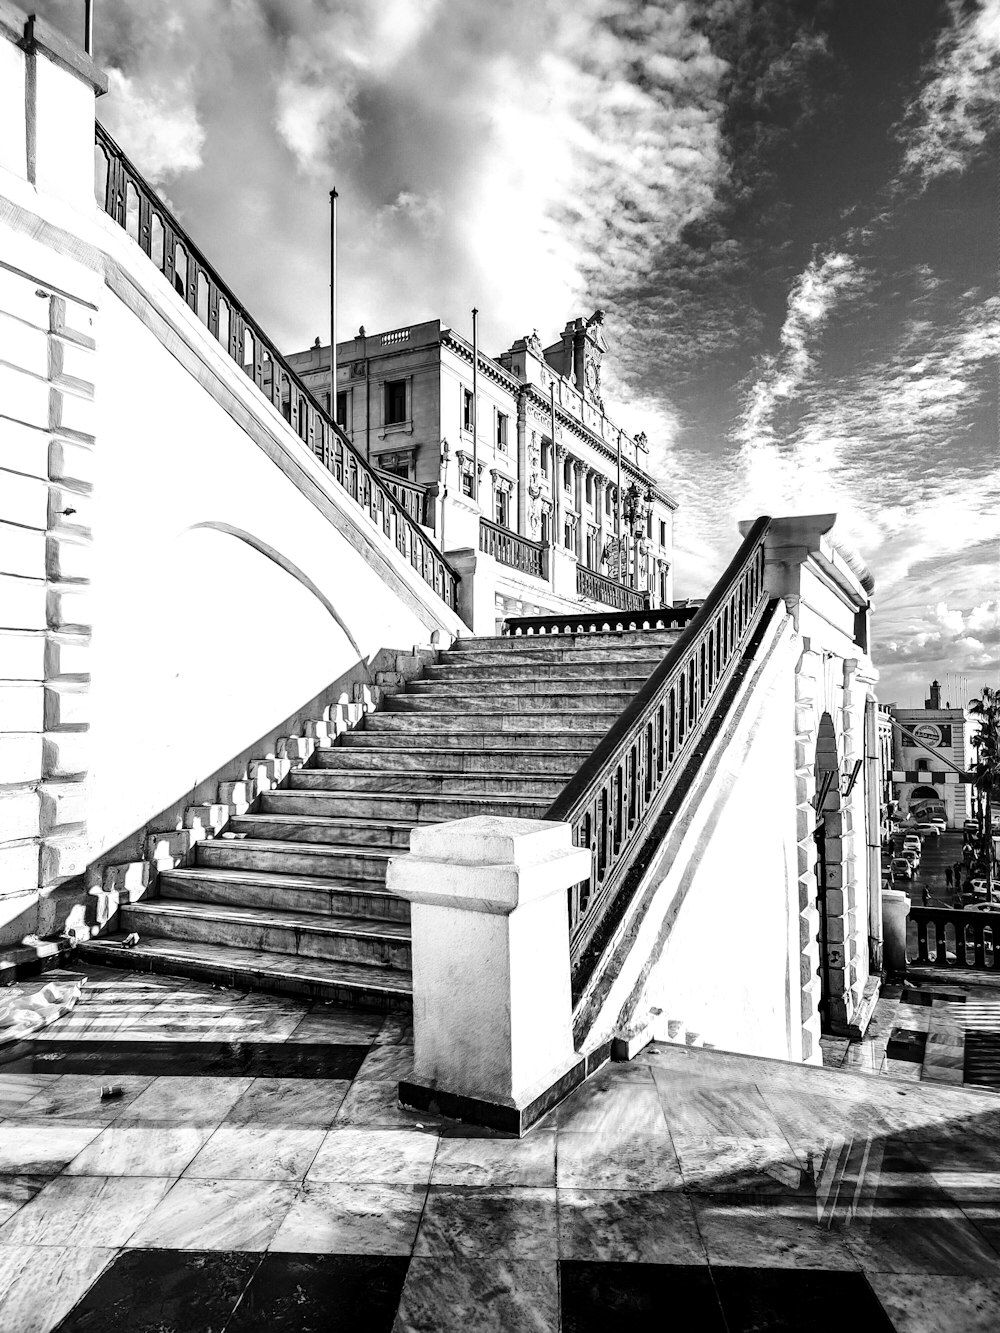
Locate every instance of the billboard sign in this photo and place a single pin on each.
(933, 735)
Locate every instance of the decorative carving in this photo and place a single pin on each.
(534, 508)
(534, 343)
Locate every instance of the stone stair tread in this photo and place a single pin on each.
(300, 848)
(325, 821)
(400, 797)
(263, 878)
(313, 921)
(254, 966)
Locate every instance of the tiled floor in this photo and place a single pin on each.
(256, 1172)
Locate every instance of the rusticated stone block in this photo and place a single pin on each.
(62, 859)
(175, 843)
(295, 747)
(62, 804)
(68, 656)
(130, 877)
(69, 607)
(72, 412)
(65, 753)
(67, 704)
(209, 817)
(67, 560)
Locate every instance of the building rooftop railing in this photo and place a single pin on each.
(134, 205)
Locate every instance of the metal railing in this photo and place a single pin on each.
(410, 495)
(127, 199)
(955, 937)
(511, 549)
(600, 622)
(624, 785)
(599, 588)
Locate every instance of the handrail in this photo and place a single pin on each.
(410, 494)
(622, 787)
(164, 241)
(609, 592)
(511, 549)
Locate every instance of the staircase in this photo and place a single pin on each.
(291, 898)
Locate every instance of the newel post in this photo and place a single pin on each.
(492, 1004)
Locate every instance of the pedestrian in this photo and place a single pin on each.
(949, 875)
(958, 873)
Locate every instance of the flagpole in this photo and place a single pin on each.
(475, 404)
(333, 305)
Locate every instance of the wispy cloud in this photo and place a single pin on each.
(958, 105)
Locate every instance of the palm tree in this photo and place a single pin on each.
(987, 769)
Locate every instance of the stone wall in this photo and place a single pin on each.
(179, 576)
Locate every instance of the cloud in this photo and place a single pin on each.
(160, 122)
(950, 119)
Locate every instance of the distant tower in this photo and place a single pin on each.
(935, 700)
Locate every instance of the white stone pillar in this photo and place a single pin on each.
(492, 1004)
(895, 910)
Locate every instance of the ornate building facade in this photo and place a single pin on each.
(521, 441)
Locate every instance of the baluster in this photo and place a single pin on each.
(941, 941)
(922, 951)
(979, 944)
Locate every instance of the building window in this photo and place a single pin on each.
(591, 549)
(545, 526)
(465, 476)
(567, 475)
(607, 500)
(568, 535)
(501, 432)
(589, 484)
(466, 409)
(663, 585)
(649, 526)
(546, 460)
(395, 402)
(663, 533)
(342, 408)
(502, 512)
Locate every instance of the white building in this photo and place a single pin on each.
(468, 442)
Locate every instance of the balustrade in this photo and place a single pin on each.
(126, 198)
(600, 622)
(955, 937)
(511, 549)
(625, 785)
(410, 495)
(599, 588)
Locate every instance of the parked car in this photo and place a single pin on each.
(927, 829)
(983, 907)
(970, 826)
(979, 885)
(911, 856)
(939, 821)
(900, 868)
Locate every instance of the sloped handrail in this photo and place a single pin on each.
(139, 210)
(623, 786)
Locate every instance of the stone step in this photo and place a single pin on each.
(354, 863)
(407, 808)
(451, 728)
(250, 969)
(282, 893)
(563, 677)
(361, 753)
(581, 740)
(490, 701)
(633, 658)
(424, 784)
(516, 643)
(381, 835)
(377, 944)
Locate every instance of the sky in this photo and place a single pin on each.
(789, 210)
